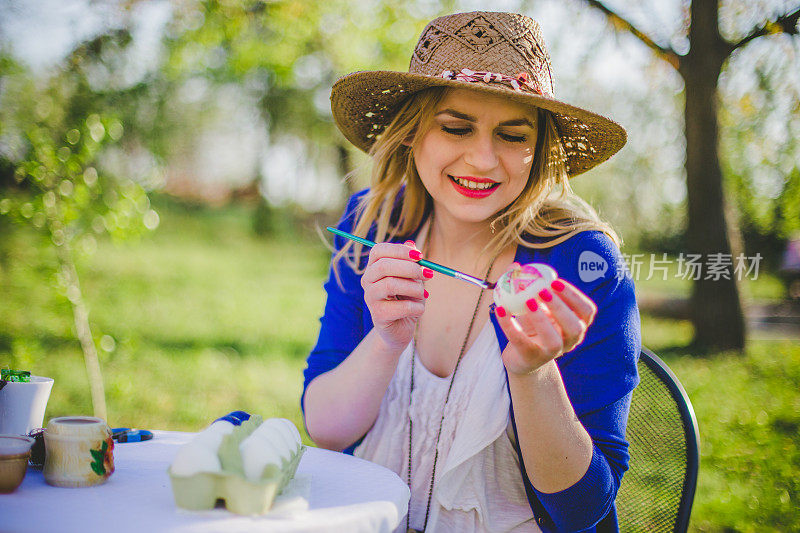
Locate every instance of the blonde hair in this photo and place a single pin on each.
(535, 212)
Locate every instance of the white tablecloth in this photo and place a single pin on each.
(344, 494)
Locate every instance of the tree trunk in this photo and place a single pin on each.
(716, 308)
(82, 330)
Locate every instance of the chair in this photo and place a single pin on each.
(658, 490)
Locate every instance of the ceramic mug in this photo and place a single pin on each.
(80, 451)
(22, 405)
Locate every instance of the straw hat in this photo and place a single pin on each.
(496, 53)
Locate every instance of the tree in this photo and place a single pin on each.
(716, 308)
(288, 54)
(60, 127)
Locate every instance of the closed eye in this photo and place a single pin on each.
(460, 132)
(513, 138)
(456, 131)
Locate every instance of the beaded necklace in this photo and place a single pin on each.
(446, 399)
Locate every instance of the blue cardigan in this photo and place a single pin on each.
(599, 375)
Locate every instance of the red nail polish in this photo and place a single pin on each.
(557, 285)
(500, 311)
(416, 255)
(545, 295)
(425, 293)
(410, 243)
(427, 272)
(532, 305)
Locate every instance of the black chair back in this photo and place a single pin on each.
(658, 490)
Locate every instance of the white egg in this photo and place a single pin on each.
(280, 426)
(271, 425)
(274, 436)
(192, 459)
(209, 440)
(518, 285)
(211, 437)
(292, 430)
(221, 426)
(257, 453)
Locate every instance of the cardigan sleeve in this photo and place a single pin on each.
(346, 319)
(343, 324)
(587, 502)
(599, 376)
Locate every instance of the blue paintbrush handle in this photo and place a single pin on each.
(447, 271)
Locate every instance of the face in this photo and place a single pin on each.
(476, 157)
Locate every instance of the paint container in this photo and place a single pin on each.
(80, 451)
(14, 451)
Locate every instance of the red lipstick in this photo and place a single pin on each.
(471, 192)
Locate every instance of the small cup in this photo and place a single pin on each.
(80, 451)
(14, 452)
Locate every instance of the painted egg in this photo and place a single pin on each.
(520, 284)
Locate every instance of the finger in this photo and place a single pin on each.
(391, 267)
(396, 251)
(517, 335)
(539, 320)
(397, 288)
(571, 326)
(576, 300)
(392, 310)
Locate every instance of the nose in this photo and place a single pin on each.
(481, 154)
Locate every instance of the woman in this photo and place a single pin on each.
(497, 422)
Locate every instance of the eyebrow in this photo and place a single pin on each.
(470, 118)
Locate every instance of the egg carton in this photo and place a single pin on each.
(240, 494)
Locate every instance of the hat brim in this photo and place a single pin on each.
(364, 102)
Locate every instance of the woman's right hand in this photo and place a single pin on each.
(394, 292)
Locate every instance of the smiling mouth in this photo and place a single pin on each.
(476, 184)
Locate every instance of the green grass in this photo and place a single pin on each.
(748, 411)
(202, 318)
(198, 320)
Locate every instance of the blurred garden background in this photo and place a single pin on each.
(165, 168)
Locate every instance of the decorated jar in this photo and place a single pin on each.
(79, 451)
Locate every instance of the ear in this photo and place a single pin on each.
(410, 137)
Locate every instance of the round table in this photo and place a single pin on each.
(344, 493)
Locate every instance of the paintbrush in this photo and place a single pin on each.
(436, 267)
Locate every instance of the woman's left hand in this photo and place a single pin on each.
(555, 323)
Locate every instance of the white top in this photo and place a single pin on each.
(478, 483)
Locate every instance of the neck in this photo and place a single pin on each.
(459, 244)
